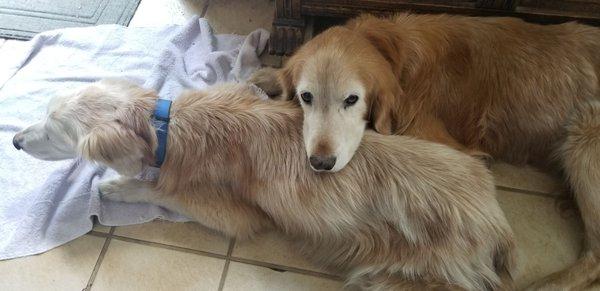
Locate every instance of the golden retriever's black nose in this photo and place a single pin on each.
(17, 141)
(324, 163)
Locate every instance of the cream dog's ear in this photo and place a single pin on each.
(117, 146)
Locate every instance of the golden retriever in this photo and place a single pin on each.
(492, 87)
(405, 214)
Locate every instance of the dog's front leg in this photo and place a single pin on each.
(212, 206)
(128, 190)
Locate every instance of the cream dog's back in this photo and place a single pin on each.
(402, 207)
(405, 214)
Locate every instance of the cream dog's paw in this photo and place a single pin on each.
(113, 190)
(127, 190)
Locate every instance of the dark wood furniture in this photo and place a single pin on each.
(291, 15)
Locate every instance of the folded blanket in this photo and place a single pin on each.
(46, 204)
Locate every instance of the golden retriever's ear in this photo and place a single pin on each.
(118, 147)
(384, 36)
(382, 116)
(286, 79)
(383, 110)
(289, 74)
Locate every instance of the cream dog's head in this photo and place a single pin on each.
(104, 122)
(343, 83)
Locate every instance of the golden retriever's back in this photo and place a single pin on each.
(449, 66)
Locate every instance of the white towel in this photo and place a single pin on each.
(46, 204)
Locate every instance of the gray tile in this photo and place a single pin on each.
(240, 17)
(130, 266)
(547, 240)
(272, 248)
(187, 235)
(244, 277)
(164, 12)
(67, 267)
(101, 228)
(526, 178)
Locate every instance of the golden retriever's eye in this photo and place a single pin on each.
(351, 100)
(306, 97)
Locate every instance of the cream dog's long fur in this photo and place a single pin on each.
(496, 88)
(404, 214)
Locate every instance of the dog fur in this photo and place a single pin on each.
(495, 88)
(406, 214)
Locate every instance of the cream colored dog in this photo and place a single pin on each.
(404, 214)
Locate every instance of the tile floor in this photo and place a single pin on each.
(186, 256)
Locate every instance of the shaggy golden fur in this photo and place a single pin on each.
(491, 87)
(405, 214)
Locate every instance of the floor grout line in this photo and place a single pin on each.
(100, 259)
(227, 262)
(98, 233)
(286, 268)
(227, 257)
(528, 192)
(170, 247)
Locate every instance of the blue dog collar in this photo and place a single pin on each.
(160, 119)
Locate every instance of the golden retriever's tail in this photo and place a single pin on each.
(580, 155)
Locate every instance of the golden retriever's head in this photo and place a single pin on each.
(343, 83)
(106, 122)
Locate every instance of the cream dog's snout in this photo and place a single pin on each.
(18, 140)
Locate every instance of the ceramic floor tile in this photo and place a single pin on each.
(240, 17)
(272, 248)
(101, 228)
(547, 240)
(244, 277)
(130, 266)
(188, 235)
(161, 12)
(526, 178)
(67, 267)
